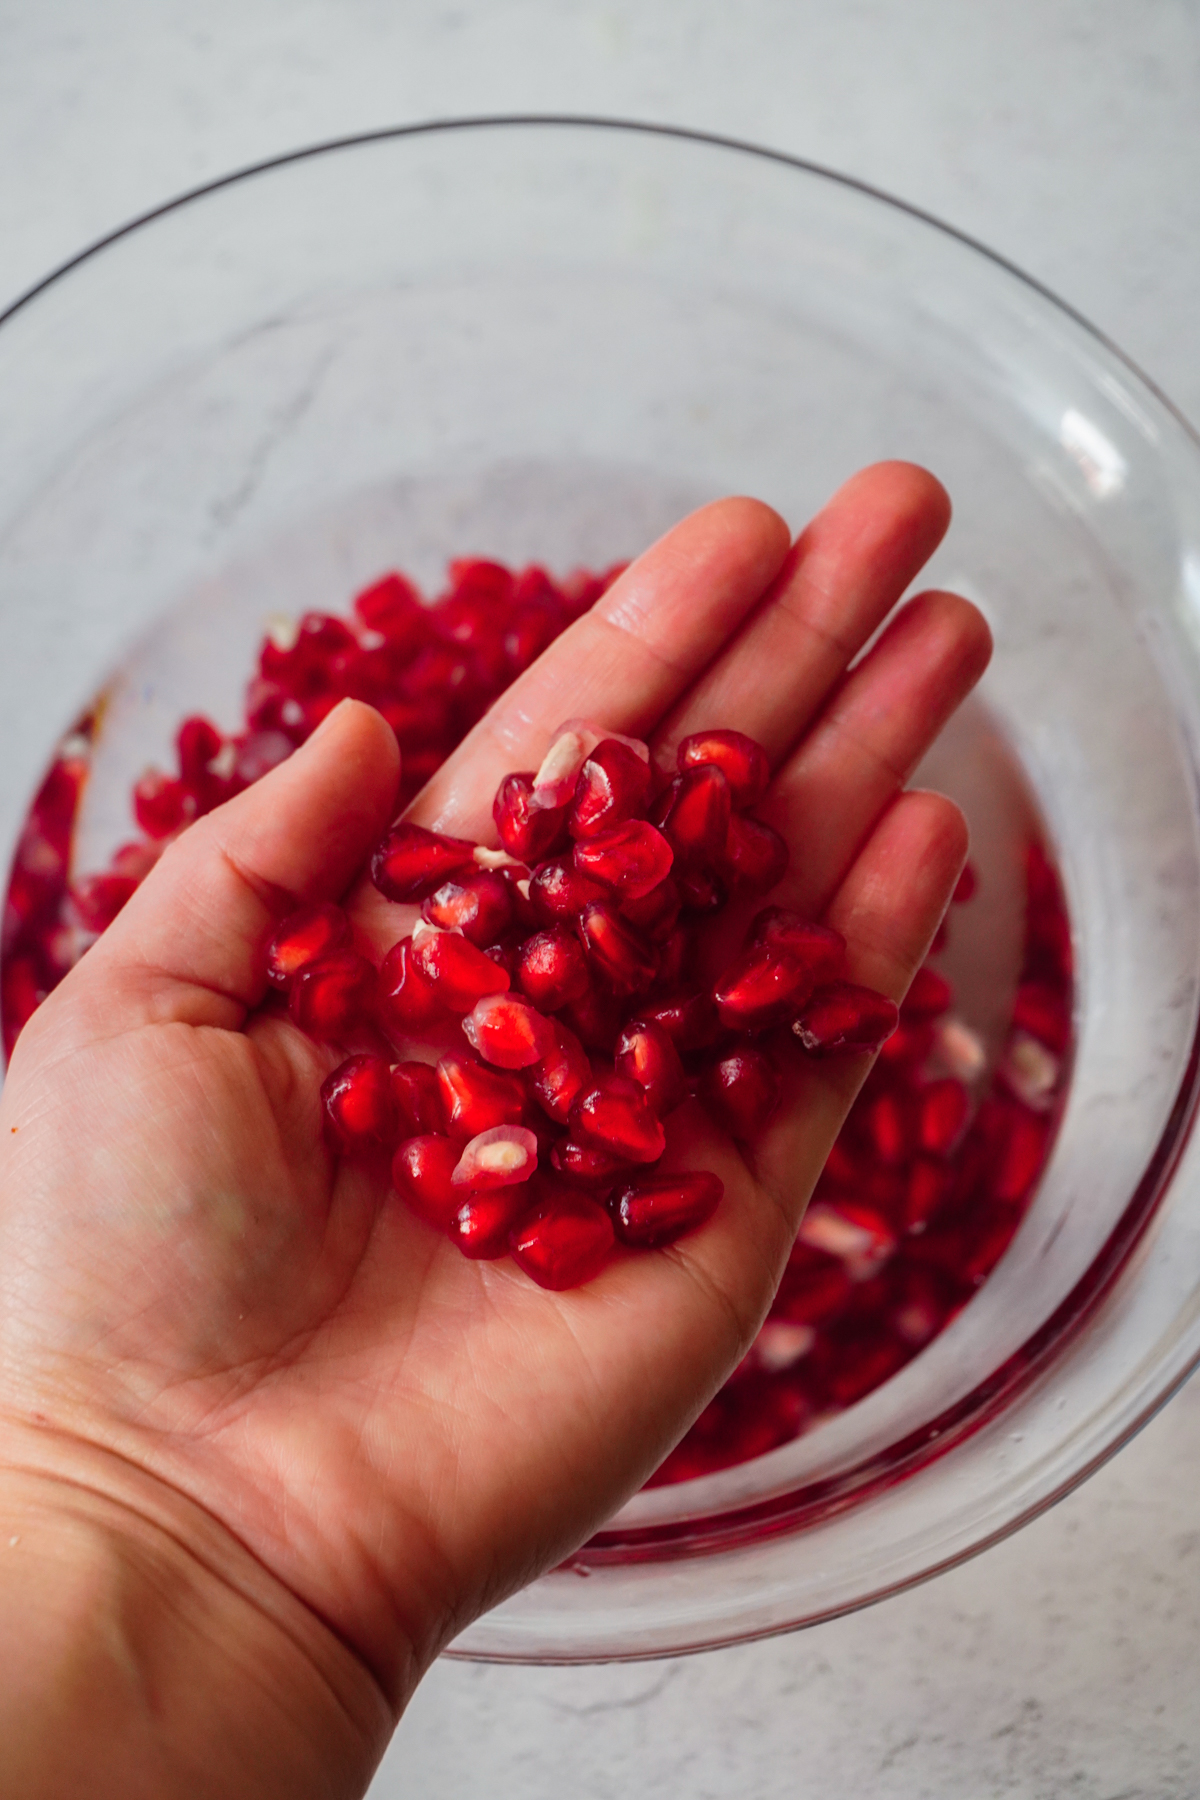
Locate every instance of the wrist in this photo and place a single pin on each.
(144, 1650)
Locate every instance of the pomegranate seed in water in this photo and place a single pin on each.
(656, 1209)
(304, 936)
(360, 1105)
(564, 1241)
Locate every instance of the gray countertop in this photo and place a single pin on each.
(1066, 136)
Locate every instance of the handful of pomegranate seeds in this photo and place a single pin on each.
(569, 971)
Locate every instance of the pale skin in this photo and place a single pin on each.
(267, 1443)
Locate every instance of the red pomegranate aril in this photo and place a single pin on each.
(360, 1104)
(587, 1165)
(392, 607)
(162, 805)
(819, 948)
(528, 831)
(765, 986)
(564, 1241)
(695, 819)
(944, 1110)
(98, 899)
(333, 996)
(407, 999)
(814, 1289)
(675, 959)
(197, 742)
(1022, 1153)
(302, 937)
(742, 762)
(886, 1124)
(929, 995)
(689, 1018)
(480, 906)
(630, 858)
(551, 968)
(564, 1073)
(411, 862)
(844, 1017)
(613, 785)
(498, 1157)
(596, 1017)
(423, 1174)
(927, 1187)
(622, 958)
(481, 1226)
(474, 1097)
(418, 1098)
(646, 1054)
(616, 1115)
(701, 890)
(559, 891)
(657, 912)
(508, 1031)
(1042, 1012)
(458, 973)
(756, 857)
(743, 1090)
(657, 1209)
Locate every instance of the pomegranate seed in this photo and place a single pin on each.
(551, 969)
(765, 986)
(480, 906)
(527, 831)
(695, 817)
(616, 1115)
(965, 887)
(360, 1106)
(411, 862)
(392, 607)
(304, 936)
(422, 1173)
(564, 1241)
(418, 1098)
(508, 1031)
(865, 1362)
(481, 1226)
(557, 1081)
(198, 742)
(333, 996)
(909, 1045)
(858, 1234)
(98, 899)
(689, 1019)
(498, 1157)
(458, 973)
(587, 1165)
(408, 1000)
(701, 890)
(742, 762)
(887, 1125)
(613, 785)
(928, 995)
(559, 891)
(655, 913)
(624, 959)
(844, 1017)
(657, 1209)
(554, 783)
(474, 1097)
(161, 805)
(814, 1290)
(646, 1054)
(631, 858)
(1040, 1010)
(820, 949)
(675, 959)
(928, 1186)
(1022, 1155)
(945, 1108)
(756, 857)
(743, 1090)
(595, 1017)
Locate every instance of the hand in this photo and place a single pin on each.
(218, 1321)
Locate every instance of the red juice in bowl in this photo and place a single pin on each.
(942, 1151)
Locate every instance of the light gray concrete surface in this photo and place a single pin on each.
(1067, 136)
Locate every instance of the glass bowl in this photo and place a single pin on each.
(544, 339)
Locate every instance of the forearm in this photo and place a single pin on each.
(136, 1662)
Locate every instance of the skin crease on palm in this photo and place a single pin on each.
(195, 1295)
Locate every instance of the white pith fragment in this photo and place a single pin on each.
(496, 859)
(780, 1344)
(961, 1049)
(1030, 1070)
(283, 631)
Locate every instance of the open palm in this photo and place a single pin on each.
(189, 1280)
